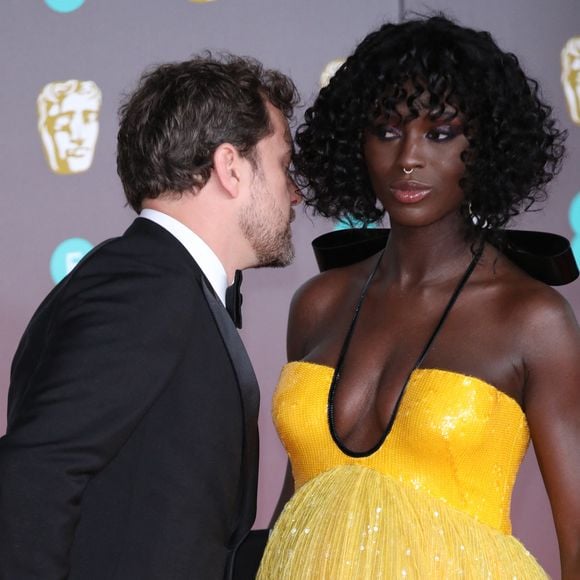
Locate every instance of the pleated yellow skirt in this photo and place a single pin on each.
(354, 523)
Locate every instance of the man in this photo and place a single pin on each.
(131, 450)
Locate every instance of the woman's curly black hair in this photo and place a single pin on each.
(515, 147)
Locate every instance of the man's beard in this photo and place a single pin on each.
(273, 248)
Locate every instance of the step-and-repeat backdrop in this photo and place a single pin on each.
(65, 65)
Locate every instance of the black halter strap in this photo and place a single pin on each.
(340, 363)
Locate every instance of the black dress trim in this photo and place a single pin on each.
(340, 363)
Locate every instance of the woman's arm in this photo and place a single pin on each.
(285, 494)
(306, 315)
(552, 405)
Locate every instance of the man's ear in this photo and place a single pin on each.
(230, 168)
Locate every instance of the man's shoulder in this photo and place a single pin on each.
(136, 268)
(144, 246)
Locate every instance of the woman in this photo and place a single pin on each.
(418, 375)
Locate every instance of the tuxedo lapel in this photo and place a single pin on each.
(247, 384)
(237, 351)
(250, 400)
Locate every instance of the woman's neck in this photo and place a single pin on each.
(426, 255)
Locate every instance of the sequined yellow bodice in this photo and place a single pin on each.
(455, 437)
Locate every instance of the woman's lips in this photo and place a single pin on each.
(409, 191)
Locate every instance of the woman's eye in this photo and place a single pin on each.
(444, 133)
(387, 132)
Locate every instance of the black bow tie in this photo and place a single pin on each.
(234, 299)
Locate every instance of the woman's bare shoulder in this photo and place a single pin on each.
(535, 303)
(541, 319)
(315, 304)
(527, 301)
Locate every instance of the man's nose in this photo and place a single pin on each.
(295, 194)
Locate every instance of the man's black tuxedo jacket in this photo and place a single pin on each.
(131, 450)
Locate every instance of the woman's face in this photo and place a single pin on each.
(415, 165)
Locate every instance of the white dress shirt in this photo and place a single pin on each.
(204, 256)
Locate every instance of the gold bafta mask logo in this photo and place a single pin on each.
(329, 71)
(571, 76)
(68, 121)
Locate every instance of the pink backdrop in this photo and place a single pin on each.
(110, 43)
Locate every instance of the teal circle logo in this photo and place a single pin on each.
(351, 223)
(64, 6)
(575, 225)
(66, 256)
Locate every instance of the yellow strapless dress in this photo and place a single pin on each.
(432, 502)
